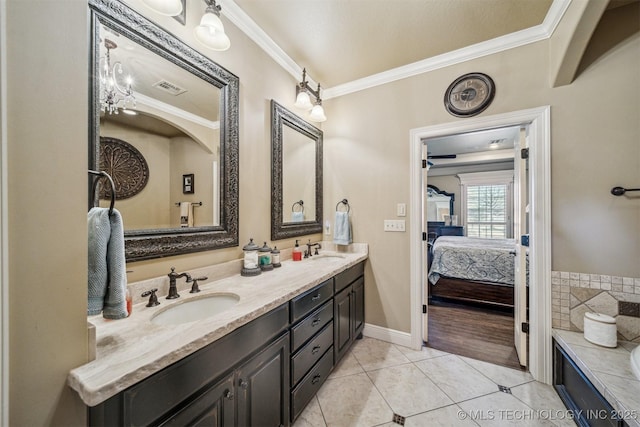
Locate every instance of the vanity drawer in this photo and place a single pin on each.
(312, 324)
(302, 361)
(347, 277)
(311, 383)
(307, 302)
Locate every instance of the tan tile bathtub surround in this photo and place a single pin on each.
(573, 294)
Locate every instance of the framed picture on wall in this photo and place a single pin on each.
(187, 184)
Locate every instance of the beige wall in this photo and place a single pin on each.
(595, 134)
(150, 208)
(594, 146)
(47, 201)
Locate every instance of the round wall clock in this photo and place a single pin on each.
(469, 95)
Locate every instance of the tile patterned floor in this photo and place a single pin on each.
(377, 379)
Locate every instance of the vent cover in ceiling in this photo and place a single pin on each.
(169, 87)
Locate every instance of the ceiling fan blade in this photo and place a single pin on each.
(443, 156)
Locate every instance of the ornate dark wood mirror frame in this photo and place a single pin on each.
(156, 243)
(280, 117)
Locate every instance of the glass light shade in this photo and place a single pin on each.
(165, 7)
(303, 100)
(211, 38)
(210, 19)
(317, 114)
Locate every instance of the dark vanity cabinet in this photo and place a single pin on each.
(214, 407)
(263, 387)
(579, 395)
(311, 344)
(348, 309)
(256, 393)
(262, 374)
(241, 377)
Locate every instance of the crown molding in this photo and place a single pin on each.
(175, 111)
(247, 25)
(531, 35)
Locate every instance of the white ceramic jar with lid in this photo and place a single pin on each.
(600, 329)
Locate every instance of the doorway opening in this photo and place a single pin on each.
(538, 122)
(476, 184)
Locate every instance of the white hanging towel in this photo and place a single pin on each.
(297, 216)
(107, 278)
(186, 214)
(342, 229)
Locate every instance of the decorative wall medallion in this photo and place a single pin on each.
(469, 94)
(126, 165)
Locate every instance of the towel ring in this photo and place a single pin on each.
(103, 174)
(343, 202)
(299, 203)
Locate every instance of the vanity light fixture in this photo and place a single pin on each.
(165, 7)
(210, 32)
(303, 99)
(113, 95)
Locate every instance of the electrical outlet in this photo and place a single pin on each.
(401, 209)
(397, 225)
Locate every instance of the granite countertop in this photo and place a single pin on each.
(130, 350)
(608, 369)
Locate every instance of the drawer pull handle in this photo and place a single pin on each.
(315, 321)
(315, 349)
(315, 379)
(228, 394)
(244, 384)
(316, 297)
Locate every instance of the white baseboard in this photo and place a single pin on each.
(389, 335)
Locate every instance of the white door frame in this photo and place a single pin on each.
(539, 122)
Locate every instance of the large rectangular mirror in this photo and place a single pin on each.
(296, 175)
(179, 153)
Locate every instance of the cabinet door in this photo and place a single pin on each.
(263, 387)
(342, 320)
(358, 307)
(214, 408)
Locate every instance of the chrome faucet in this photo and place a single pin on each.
(310, 245)
(173, 290)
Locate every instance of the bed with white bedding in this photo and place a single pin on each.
(466, 269)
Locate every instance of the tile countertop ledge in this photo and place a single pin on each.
(608, 369)
(132, 349)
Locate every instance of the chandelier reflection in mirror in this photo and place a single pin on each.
(114, 95)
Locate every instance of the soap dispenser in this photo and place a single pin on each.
(297, 252)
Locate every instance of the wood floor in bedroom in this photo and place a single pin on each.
(473, 332)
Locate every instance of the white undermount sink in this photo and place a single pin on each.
(325, 255)
(635, 362)
(194, 309)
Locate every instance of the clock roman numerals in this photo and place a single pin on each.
(469, 94)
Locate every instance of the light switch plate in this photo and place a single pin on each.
(397, 225)
(401, 209)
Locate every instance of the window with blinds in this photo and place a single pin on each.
(486, 208)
